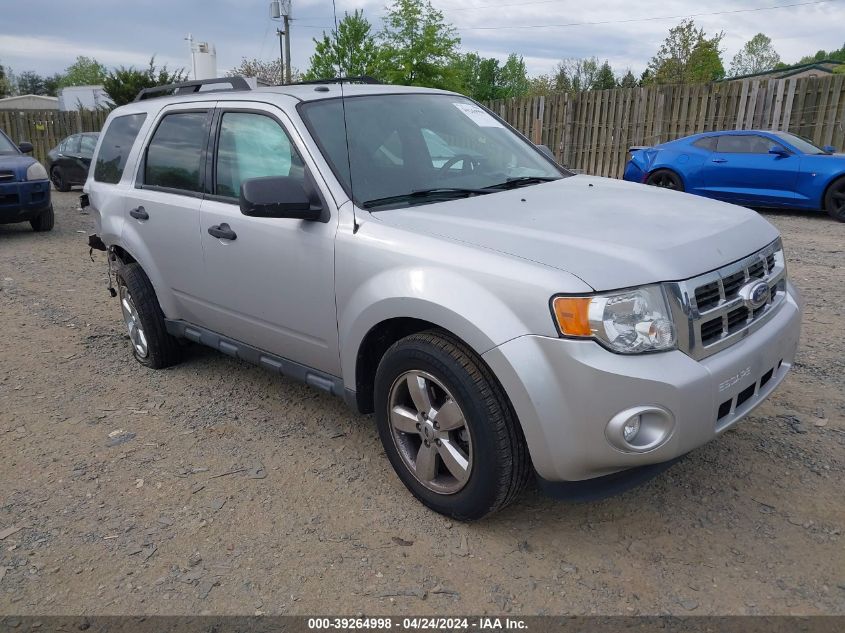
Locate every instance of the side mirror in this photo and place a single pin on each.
(778, 150)
(25, 147)
(547, 152)
(279, 197)
(830, 149)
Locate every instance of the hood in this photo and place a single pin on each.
(610, 233)
(17, 163)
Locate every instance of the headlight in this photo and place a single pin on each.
(36, 171)
(629, 322)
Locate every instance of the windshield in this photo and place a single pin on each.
(6, 146)
(407, 144)
(803, 145)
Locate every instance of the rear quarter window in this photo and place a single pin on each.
(708, 143)
(118, 139)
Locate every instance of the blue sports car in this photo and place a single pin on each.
(24, 187)
(752, 168)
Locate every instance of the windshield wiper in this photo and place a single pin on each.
(445, 193)
(521, 181)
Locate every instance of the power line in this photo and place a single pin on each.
(630, 20)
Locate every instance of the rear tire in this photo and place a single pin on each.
(58, 179)
(44, 222)
(665, 179)
(152, 346)
(469, 417)
(834, 200)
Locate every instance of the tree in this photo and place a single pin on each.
(5, 85)
(123, 84)
(576, 75)
(53, 84)
(418, 45)
(687, 55)
(605, 79)
(513, 78)
(85, 71)
(351, 51)
(541, 86)
(269, 72)
(757, 56)
(31, 83)
(628, 80)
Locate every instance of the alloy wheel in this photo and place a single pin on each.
(665, 181)
(430, 432)
(133, 323)
(838, 197)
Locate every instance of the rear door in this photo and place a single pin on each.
(164, 205)
(743, 171)
(271, 285)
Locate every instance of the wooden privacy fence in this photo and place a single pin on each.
(592, 131)
(46, 128)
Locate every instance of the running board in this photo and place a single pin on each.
(242, 351)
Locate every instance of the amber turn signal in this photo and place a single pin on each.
(572, 315)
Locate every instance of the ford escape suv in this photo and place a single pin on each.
(407, 250)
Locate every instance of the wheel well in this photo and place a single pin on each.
(122, 254)
(832, 182)
(375, 344)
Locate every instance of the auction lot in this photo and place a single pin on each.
(215, 487)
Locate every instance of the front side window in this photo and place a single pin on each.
(745, 144)
(71, 145)
(6, 145)
(800, 143)
(252, 145)
(175, 153)
(407, 145)
(86, 146)
(114, 150)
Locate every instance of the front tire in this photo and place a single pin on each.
(834, 200)
(447, 427)
(44, 222)
(665, 179)
(152, 346)
(57, 176)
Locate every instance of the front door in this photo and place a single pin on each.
(269, 282)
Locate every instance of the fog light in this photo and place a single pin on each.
(631, 428)
(640, 429)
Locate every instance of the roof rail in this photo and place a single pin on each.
(363, 79)
(190, 87)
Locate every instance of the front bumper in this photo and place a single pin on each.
(565, 392)
(22, 201)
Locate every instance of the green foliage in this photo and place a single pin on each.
(5, 86)
(687, 56)
(270, 72)
(757, 56)
(85, 71)
(513, 78)
(53, 83)
(576, 75)
(350, 51)
(31, 83)
(628, 80)
(541, 86)
(123, 84)
(418, 46)
(605, 79)
(837, 55)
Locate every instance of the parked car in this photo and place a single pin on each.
(751, 168)
(69, 161)
(24, 187)
(499, 315)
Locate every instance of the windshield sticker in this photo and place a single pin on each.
(478, 115)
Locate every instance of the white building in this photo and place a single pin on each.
(29, 102)
(85, 97)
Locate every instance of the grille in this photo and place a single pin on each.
(712, 303)
(7, 176)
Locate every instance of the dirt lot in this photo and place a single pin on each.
(228, 490)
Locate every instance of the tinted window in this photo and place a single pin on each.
(800, 143)
(72, 145)
(708, 143)
(747, 144)
(86, 146)
(114, 150)
(174, 155)
(252, 146)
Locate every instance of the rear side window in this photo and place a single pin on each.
(708, 143)
(746, 144)
(114, 150)
(175, 153)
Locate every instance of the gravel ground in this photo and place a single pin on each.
(214, 487)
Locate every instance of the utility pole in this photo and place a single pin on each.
(287, 44)
(280, 10)
(281, 34)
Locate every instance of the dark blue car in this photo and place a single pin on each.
(24, 187)
(751, 168)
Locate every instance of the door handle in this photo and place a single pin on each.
(222, 231)
(139, 213)
(720, 160)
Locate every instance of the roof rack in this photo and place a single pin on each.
(363, 79)
(190, 87)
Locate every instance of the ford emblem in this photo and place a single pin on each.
(755, 294)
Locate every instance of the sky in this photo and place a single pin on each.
(46, 36)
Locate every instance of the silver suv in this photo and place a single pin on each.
(407, 250)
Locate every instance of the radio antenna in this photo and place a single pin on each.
(341, 73)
